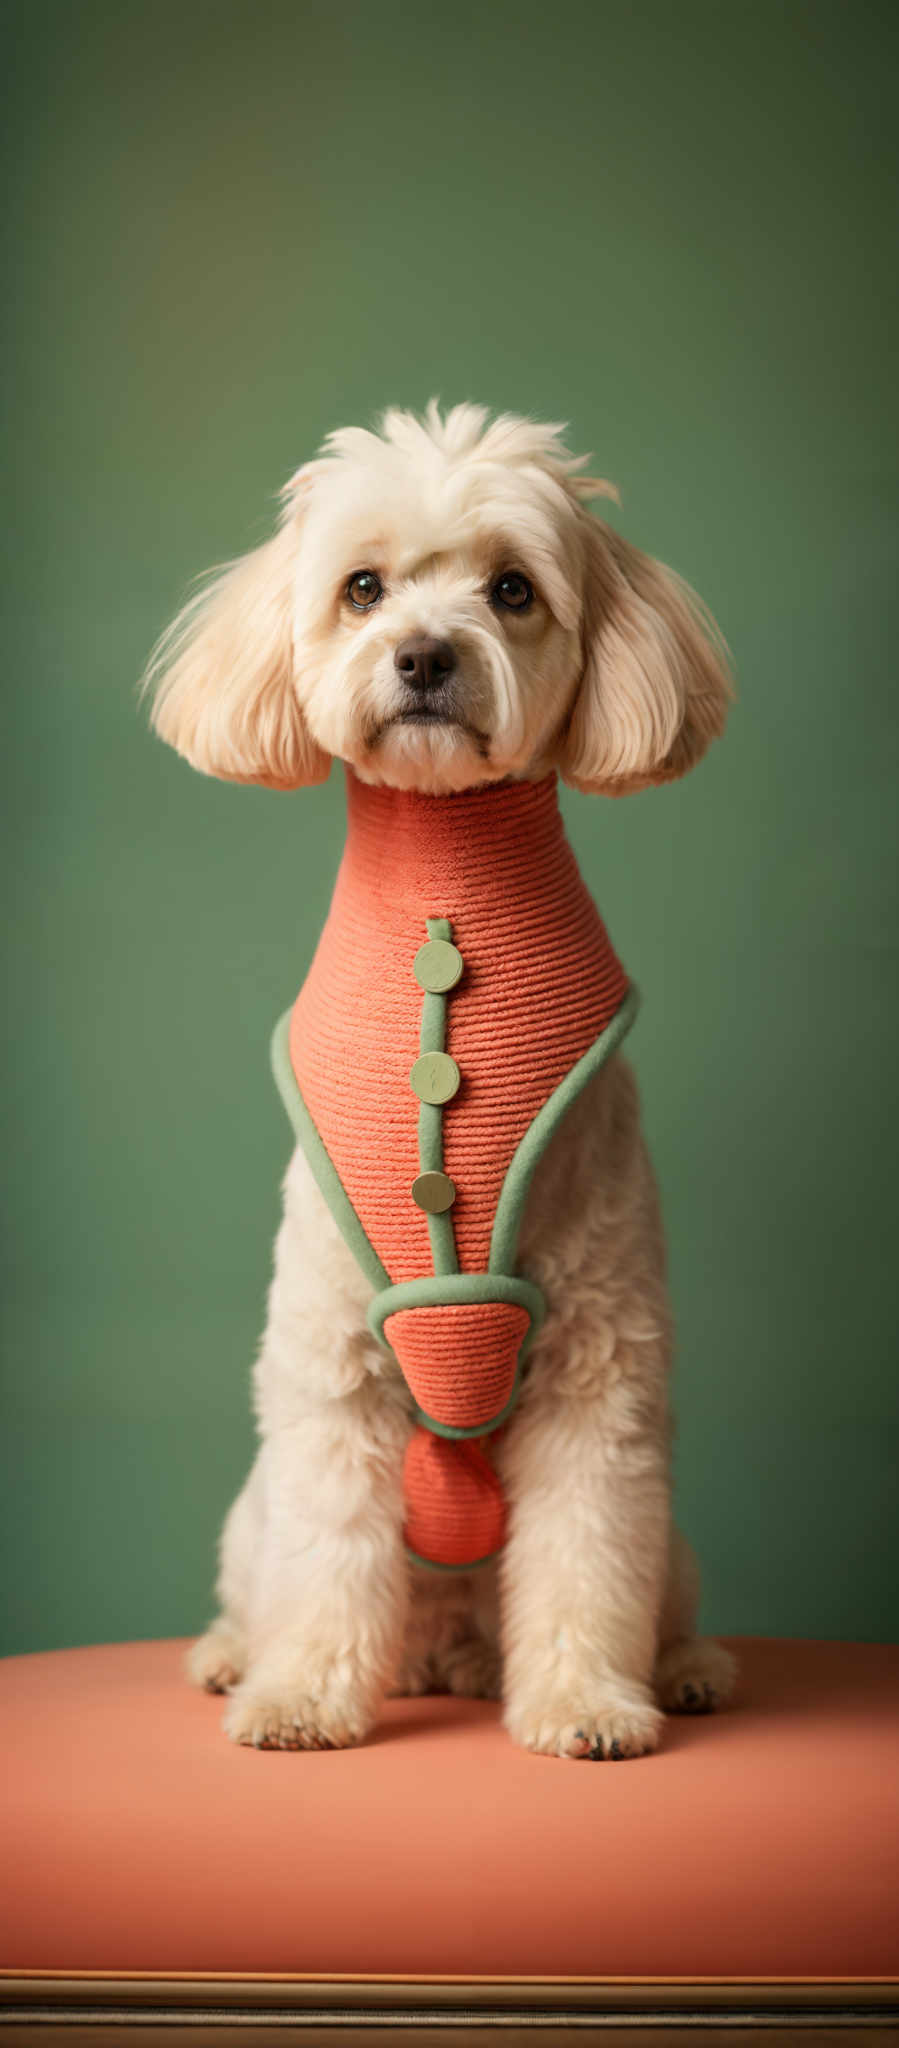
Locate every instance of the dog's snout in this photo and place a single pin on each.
(424, 662)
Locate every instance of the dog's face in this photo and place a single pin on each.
(439, 610)
(436, 611)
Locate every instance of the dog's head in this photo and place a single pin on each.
(439, 608)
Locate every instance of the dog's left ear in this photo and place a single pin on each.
(655, 685)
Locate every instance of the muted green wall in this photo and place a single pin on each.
(234, 228)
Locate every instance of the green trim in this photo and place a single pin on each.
(443, 1290)
(430, 1141)
(429, 1564)
(432, 1038)
(516, 1186)
(434, 1289)
(447, 1285)
(319, 1158)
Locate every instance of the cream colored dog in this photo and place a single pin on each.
(574, 651)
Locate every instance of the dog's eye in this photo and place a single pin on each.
(512, 591)
(364, 589)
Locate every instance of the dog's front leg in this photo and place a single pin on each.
(328, 1580)
(328, 1604)
(583, 1575)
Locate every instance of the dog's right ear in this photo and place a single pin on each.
(223, 679)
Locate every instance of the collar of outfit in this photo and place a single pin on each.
(463, 992)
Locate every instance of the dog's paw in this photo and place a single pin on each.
(218, 1659)
(695, 1676)
(267, 1719)
(616, 1724)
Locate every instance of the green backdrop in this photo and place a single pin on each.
(234, 227)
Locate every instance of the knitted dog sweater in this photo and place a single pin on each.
(463, 991)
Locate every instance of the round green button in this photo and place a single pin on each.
(435, 1077)
(437, 966)
(433, 1192)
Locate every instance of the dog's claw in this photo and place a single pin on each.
(691, 1700)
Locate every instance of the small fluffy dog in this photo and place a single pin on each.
(439, 610)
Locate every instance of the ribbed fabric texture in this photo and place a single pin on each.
(540, 983)
(455, 1511)
(459, 1360)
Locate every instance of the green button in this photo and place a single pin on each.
(435, 1077)
(437, 966)
(433, 1192)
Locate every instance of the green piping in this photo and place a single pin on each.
(515, 1187)
(429, 1564)
(320, 1160)
(432, 1038)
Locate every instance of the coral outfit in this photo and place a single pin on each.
(463, 992)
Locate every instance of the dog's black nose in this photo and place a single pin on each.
(423, 662)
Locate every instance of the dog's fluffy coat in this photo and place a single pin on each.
(614, 674)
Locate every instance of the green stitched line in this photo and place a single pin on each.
(429, 1564)
(431, 1289)
(442, 1237)
(320, 1161)
(515, 1187)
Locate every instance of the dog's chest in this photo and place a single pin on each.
(539, 983)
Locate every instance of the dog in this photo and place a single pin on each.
(440, 610)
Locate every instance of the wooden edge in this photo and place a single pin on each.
(232, 1992)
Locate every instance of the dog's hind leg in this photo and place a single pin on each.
(693, 1674)
(218, 1659)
